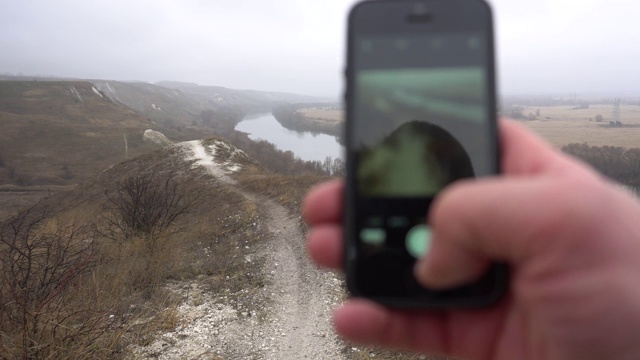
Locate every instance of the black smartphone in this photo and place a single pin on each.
(421, 114)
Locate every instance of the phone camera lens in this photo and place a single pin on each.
(419, 13)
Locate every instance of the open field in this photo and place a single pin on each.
(323, 120)
(312, 119)
(329, 116)
(561, 125)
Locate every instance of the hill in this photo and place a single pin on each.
(181, 251)
(200, 280)
(168, 107)
(60, 132)
(176, 108)
(249, 100)
(178, 104)
(56, 133)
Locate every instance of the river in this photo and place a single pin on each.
(304, 145)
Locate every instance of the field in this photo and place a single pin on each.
(323, 120)
(562, 125)
(331, 117)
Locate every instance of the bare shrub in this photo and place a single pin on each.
(41, 259)
(141, 216)
(145, 205)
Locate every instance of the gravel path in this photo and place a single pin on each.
(289, 319)
(303, 295)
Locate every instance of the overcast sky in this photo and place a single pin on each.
(544, 46)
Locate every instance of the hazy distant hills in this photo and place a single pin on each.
(185, 104)
(180, 104)
(61, 132)
(251, 100)
(165, 106)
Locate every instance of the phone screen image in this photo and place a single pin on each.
(416, 139)
(422, 116)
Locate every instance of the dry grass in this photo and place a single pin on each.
(288, 190)
(561, 125)
(48, 135)
(14, 198)
(329, 116)
(127, 288)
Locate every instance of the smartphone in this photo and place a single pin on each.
(421, 114)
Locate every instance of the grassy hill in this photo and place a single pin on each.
(97, 285)
(56, 133)
(178, 104)
(249, 100)
(61, 132)
(109, 289)
(169, 107)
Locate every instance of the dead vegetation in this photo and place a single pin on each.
(145, 205)
(288, 190)
(42, 262)
(328, 115)
(116, 294)
(69, 291)
(65, 132)
(564, 124)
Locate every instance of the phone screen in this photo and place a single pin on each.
(421, 115)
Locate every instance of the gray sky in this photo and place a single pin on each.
(544, 46)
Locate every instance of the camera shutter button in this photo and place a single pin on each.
(418, 240)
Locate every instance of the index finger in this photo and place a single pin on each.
(323, 204)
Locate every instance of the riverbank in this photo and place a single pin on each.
(306, 144)
(314, 120)
(327, 121)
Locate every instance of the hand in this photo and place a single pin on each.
(572, 240)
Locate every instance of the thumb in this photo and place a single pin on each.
(508, 218)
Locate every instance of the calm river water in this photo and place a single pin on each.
(304, 145)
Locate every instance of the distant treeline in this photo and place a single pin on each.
(283, 162)
(561, 101)
(618, 163)
(222, 117)
(520, 107)
(289, 117)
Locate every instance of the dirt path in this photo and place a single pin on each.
(303, 296)
(288, 319)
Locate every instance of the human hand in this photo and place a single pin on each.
(572, 240)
